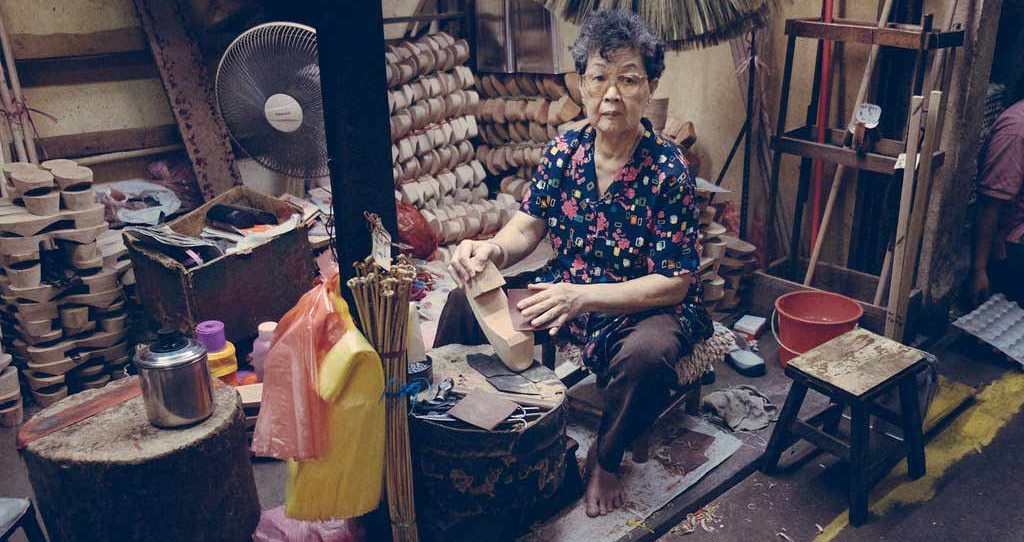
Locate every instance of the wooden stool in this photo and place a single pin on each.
(689, 396)
(19, 514)
(854, 369)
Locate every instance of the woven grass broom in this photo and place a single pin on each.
(681, 24)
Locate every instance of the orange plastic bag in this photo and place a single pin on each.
(293, 418)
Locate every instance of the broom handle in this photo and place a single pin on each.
(29, 144)
(837, 178)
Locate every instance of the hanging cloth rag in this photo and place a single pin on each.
(741, 408)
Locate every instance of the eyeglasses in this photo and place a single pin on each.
(629, 84)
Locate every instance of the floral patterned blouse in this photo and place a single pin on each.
(645, 222)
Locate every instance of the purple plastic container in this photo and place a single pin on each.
(211, 335)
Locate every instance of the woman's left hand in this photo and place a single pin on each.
(553, 304)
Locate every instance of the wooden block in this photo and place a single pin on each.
(251, 394)
(572, 85)
(96, 383)
(41, 380)
(714, 247)
(103, 281)
(13, 167)
(45, 397)
(714, 229)
(26, 224)
(74, 317)
(569, 111)
(515, 348)
(9, 382)
(738, 247)
(487, 86)
(555, 86)
(25, 179)
(89, 371)
(115, 324)
(25, 275)
(57, 352)
(63, 365)
(538, 132)
(68, 176)
(485, 281)
(12, 415)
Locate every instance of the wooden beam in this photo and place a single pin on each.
(356, 122)
(190, 93)
(896, 319)
(38, 46)
(944, 262)
(882, 161)
(87, 69)
(902, 36)
(92, 143)
(429, 17)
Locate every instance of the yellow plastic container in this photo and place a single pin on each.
(224, 364)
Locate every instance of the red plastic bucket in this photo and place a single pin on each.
(808, 318)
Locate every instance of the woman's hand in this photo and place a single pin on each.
(470, 258)
(553, 304)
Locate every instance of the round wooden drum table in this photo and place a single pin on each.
(114, 476)
(473, 484)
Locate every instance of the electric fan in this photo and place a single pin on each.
(268, 92)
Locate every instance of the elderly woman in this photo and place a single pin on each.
(618, 204)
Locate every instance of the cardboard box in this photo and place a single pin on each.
(240, 290)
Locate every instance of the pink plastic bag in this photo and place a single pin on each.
(276, 527)
(292, 417)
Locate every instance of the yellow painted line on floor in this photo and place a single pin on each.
(974, 429)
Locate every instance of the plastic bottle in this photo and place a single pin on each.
(261, 346)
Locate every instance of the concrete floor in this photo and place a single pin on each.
(971, 492)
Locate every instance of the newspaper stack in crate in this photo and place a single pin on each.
(64, 317)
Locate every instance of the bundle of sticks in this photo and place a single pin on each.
(13, 101)
(382, 303)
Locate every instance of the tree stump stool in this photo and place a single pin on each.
(116, 477)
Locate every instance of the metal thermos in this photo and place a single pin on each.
(176, 383)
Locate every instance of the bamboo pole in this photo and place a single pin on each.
(837, 178)
(12, 125)
(127, 155)
(5, 43)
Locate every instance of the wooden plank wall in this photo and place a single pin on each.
(86, 63)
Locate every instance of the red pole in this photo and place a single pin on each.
(824, 94)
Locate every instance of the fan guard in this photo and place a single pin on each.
(268, 92)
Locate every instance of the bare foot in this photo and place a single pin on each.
(604, 489)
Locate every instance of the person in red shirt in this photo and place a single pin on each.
(999, 250)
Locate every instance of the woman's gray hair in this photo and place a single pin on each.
(606, 31)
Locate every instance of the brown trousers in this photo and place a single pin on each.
(638, 383)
